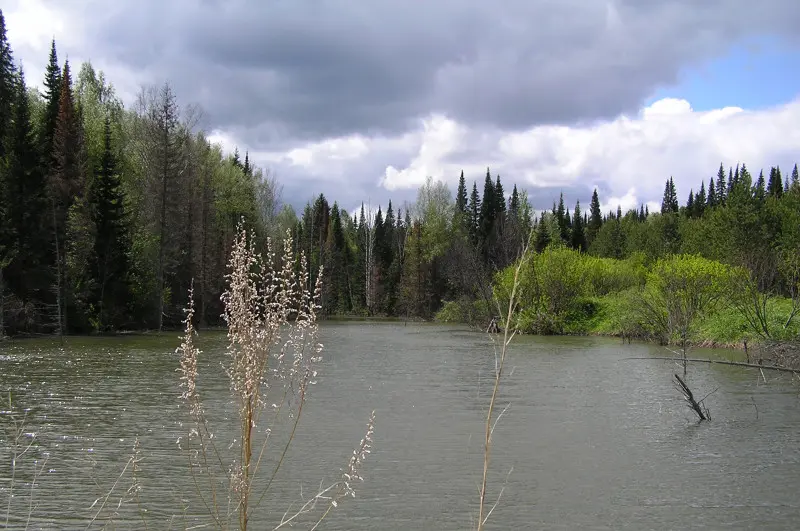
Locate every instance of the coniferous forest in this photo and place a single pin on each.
(108, 214)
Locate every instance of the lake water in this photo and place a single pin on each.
(591, 440)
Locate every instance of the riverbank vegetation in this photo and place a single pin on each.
(109, 211)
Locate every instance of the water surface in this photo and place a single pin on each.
(591, 440)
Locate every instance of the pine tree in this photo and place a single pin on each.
(26, 194)
(499, 198)
(595, 218)
(690, 205)
(669, 202)
(475, 208)
(775, 183)
(248, 170)
(8, 81)
(513, 204)
(712, 194)
(562, 218)
(52, 97)
(461, 195)
(112, 241)
(488, 209)
(721, 185)
(795, 182)
(578, 235)
(700, 200)
(759, 190)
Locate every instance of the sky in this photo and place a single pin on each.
(363, 100)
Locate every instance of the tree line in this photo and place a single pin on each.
(109, 214)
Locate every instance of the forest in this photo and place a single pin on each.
(109, 213)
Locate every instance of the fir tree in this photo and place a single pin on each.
(8, 81)
(690, 205)
(24, 191)
(595, 218)
(562, 218)
(721, 185)
(760, 190)
(795, 182)
(52, 97)
(578, 235)
(700, 200)
(513, 203)
(488, 209)
(461, 195)
(475, 208)
(712, 194)
(669, 202)
(499, 198)
(112, 241)
(775, 183)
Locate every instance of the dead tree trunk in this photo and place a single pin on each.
(700, 410)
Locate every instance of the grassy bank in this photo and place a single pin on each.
(723, 328)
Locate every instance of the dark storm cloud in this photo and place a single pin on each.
(315, 68)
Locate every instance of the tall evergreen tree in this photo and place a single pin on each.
(112, 241)
(760, 188)
(578, 235)
(8, 80)
(721, 185)
(794, 184)
(27, 207)
(488, 209)
(712, 194)
(499, 198)
(461, 195)
(513, 203)
(669, 202)
(52, 97)
(690, 210)
(700, 200)
(775, 183)
(595, 218)
(475, 208)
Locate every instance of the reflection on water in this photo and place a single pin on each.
(592, 440)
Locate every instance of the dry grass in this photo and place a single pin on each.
(273, 350)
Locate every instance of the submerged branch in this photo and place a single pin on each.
(721, 362)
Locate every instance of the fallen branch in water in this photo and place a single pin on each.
(694, 405)
(721, 362)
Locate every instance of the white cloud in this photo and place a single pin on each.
(631, 156)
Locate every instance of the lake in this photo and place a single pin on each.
(591, 440)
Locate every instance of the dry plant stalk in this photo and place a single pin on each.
(273, 350)
(500, 358)
(20, 443)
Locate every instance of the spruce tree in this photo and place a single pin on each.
(578, 240)
(461, 195)
(690, 205)
(488, 209)
(52, 97)
(669, 203)
(700, 200)
(775, 183)
(112, 240)
(513, 204)
(474, 213)
(759, 189)
(499, 198)
(721, 186)
(795, 182)
(8, 81)
(595, 218)
(562, 219)
(26, 195)
(712, 194)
